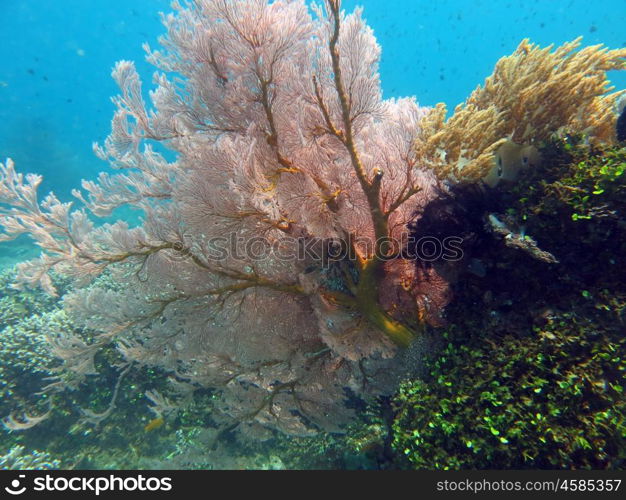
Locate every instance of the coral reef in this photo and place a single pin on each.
(28, 319)
(16, 305)
(551, 399)
(18, 459)
(533, 368)
(280, 278)
(25, 357)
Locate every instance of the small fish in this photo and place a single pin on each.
(620, 125)
(510, 160)
(155, 423)
(495, 222)
(3, 84)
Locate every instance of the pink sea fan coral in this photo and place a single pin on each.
(281, 138)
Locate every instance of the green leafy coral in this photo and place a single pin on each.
(27, 317)
(15, 305)
(587, 181)
(552, 399)
(25, 357)
(533, 369)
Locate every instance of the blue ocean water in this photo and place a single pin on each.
(55, 84)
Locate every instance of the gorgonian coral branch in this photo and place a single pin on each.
(276, 131)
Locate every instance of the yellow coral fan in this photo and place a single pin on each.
(530, 95)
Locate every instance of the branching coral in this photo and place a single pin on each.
(530, 95)
(282, 140)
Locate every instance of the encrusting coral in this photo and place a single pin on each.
(271, 265)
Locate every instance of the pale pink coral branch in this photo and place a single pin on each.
(276, 126)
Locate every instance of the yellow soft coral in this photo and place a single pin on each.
(530, 95)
